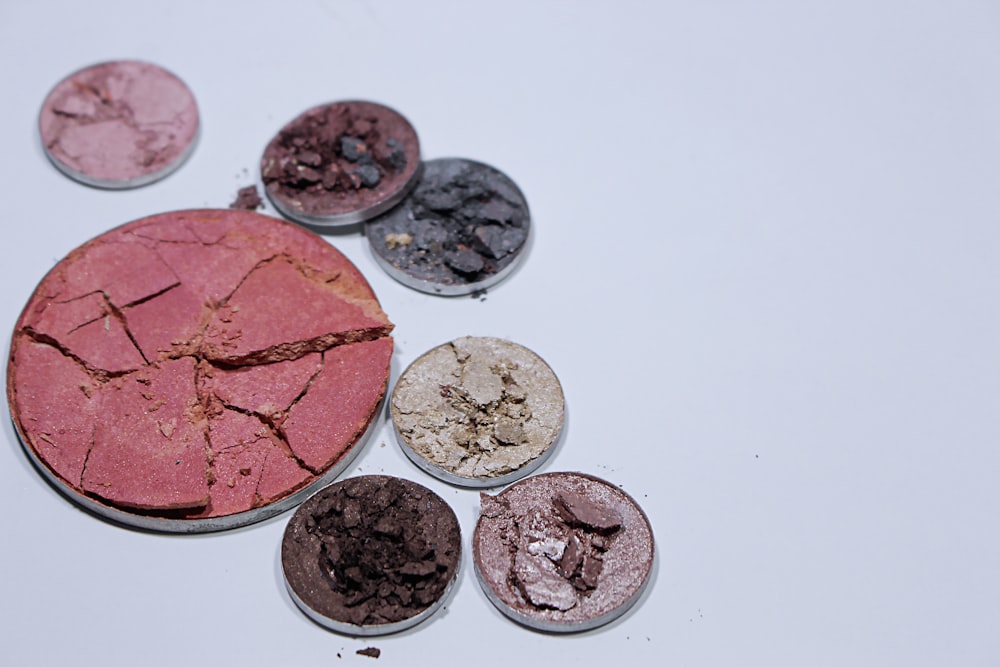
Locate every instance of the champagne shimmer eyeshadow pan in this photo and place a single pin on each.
(478, 411)
(119, 124)
(197, 370)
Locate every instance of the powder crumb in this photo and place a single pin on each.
(397, 240)
(370, 651)
(247, 199)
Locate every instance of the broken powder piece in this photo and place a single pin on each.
(265, 329)
(576, 510)
(124, 469)
(167, 428)
(542, 587)
(397, 240)
(584, 585)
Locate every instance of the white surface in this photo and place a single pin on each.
(765, 269)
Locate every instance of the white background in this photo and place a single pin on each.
(765, 268)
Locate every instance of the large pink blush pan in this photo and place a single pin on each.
(198, 370)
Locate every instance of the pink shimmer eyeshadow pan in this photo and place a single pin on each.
(197, 370)
(119, 124)
(562, 552)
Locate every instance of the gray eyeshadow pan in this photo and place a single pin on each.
(463, 229)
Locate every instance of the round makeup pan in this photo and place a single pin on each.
(341, 163)
(198, 370)
(562, 552)
(463, 229)
(371, 555)
(478, 411)
(119, 124)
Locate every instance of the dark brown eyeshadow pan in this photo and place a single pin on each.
(371, 555)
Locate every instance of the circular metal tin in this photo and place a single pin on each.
(117, 367)
(119, 124)
(462, 214)
(195, 526)
(307, 586)
(346, 203)
(430, 405)
(627, 558)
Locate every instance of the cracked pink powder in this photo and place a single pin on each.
(119, 124)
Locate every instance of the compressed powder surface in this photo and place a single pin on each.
(478, 407)
(166, 366)
(119, 122)
(563, 548)
(463, 223)
(341, 158)
(371, 550)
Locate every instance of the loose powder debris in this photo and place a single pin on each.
(371, 551)
(562, 551)
(478, 410)
(119, 124)
(247, 199)
(341, 163)
(461, 229)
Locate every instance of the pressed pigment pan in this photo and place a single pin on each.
(197, 370)
(562, 552)
(119, 124)
(478, 411)
(340, 163)
(371, 555)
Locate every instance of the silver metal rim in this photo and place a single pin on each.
(450, 289)
(127, 183)
(348, 218)
(462, 480)
(570, 626)
(556, 626)
(444, 289)
(474, 482)
(344, 628)
(206, 525)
